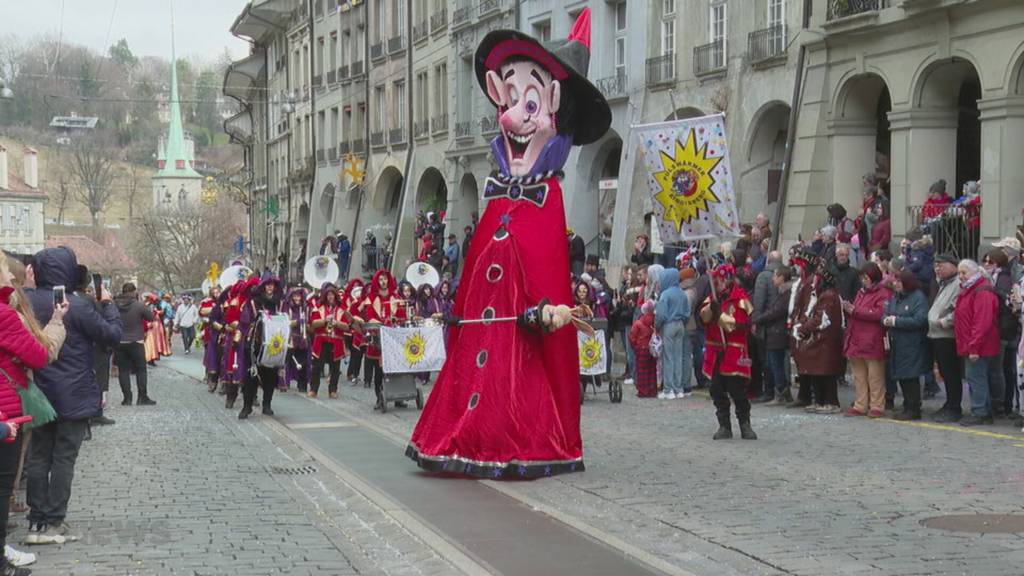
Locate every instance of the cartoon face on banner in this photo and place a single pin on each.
(527, 97)
(686, 181)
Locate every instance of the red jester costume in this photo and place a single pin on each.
(382, 306)
(507, 402)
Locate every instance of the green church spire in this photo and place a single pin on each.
(175, 156)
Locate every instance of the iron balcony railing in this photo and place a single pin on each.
(420, 31)
(396, 44)
(613, 86)
(332, 76)
(357, 68)
(318, 80)
(332, 154)
(421, 128)
(464, 129)
(439, 20)
(344, 148)
(767, 43)
(461, 15)
(319, 155)
(377, 51)
(488, 125)
(661, 69)
(377, 138)
(343, 73)
(439, 123)
(709, 58)
(488, 6)
(359, 146)
(843, 8)
(954, 229)
(397, 135)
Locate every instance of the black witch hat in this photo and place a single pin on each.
(583, 112)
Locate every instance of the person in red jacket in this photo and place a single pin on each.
(646, 365)
(976, 326)
(863, 342)
(329, 322)
(726, 318)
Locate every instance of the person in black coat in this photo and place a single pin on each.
(642, 256)
(847, 277)
(577, 253)
(776, 341)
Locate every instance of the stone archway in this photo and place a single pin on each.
(463, 207)
(327, 202)
(765, 154)
(432, 192)
(598, 202)
(861, 138)
(686, 112)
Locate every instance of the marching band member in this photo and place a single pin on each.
(233, 361)
(264, 299)
(328, 320)
(381, 307)
(298, 362)
(211, 337)
(354, 342)
(726, 318)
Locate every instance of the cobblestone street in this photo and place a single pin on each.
(185, 488)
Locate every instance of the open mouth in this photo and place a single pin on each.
(517, 144)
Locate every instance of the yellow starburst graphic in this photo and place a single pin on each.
(590, 353)
(686, 182)
(415, 349)
(276, 345)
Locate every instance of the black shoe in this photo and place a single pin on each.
(88, 433)
(127, 401)
(908, 415)
(798, 404)
(724, 433)
(763, 398)
(229, 403)
(146, 402)
(245, 413)
(267, 411)
(973, 420)
(890, 404)
(747, 432)
(102, 420)
(946, 416)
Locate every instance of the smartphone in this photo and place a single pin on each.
(97, 285)
(58, 296)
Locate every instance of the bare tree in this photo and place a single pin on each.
(93, 168)
(133, 189)
(63, 192)
(174, 248)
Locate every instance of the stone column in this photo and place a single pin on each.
(853, 155)
(923, 151)
(1002, 166)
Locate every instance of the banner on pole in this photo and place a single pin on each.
(593, 356)
(689, 178)
(412, 349)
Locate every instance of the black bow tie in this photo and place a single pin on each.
(535, 193)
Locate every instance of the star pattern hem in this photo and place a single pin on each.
(493, 470)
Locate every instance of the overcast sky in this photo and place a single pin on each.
(201, 26)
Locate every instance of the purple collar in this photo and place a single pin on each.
(551, 159)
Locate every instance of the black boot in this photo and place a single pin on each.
(746, 431)
(230, 394)
(911, 401)
(246, 410)
(890, 402)
(724, 433)
(266, 409)
(127, 400)
(211, 384)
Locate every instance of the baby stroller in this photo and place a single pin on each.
(594, 363)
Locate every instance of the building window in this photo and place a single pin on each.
(321, 127)
(717, 32)
(399, 12)
(400, 105)
(668, 37)
(542, 31)
(334, 52)
(777, 23)
(668, 7)
(620, 38)
(357, 48)
(381, 102)
(346, 51)
(381, 22)
(422, 97)
(346, 128)
(335, 130)
(441, 89)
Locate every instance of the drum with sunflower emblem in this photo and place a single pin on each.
(276, 332)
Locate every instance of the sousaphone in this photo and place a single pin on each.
(420, 273)
(320, 270)
(232, 274)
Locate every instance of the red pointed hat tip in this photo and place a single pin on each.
(581, 29)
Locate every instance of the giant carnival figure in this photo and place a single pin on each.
(507, 402)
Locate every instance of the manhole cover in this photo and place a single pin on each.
(978, 523)
(293, 470)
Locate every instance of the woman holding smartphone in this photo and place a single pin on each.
(23, 347)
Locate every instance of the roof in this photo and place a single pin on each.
(96, 256)
(16, 188)
(74, 122)
(175, 155)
